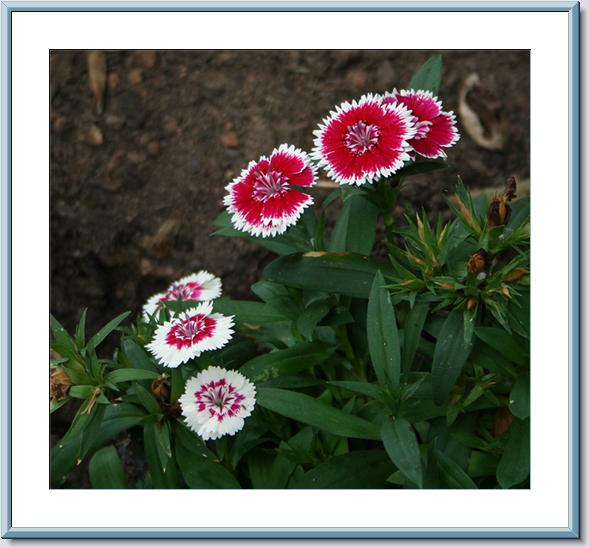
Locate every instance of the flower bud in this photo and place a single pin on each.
(471, 303)
(498, 211)
(515, 275)
(510, 188)
(159, 388)
(59, 384)
(477, 263)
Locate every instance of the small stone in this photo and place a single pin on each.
(114, 121)
(230, 139)
(135, 76)
(137, 157)
(145, 266)
(113, 80)
(59, 123)
(145, 59)
(94, 135)
(357, 78)
(153, 148)
(171, 126)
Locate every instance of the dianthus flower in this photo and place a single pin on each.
(189, 334)
(364, 140)
(216, 402)
(264, 200)
(202, 286)
(434, 127)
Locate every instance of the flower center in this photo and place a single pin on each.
(270, 184)
(361, 137)
(189, 331)
(422, 128)
(219, 399)
(186, 292)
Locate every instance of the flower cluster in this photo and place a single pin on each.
(359, 143)
(216, 401)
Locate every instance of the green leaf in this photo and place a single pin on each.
(383, 335)
(402, 447)
(269, 470)
(81, 330)
(161, 479)
(428, 76)
(519, 399)
(311, 316)
(355, 228)
(82, 392)
(455, 476)
(293, 360)
(355, 470)
(106, 470)
(105, 331)
(163, 443)
(200, 472)
(129, 374)
(514, 466)
(412, 333)
(137, 355)
(248, 311)
(503, 342)
(146, 399)
(344, 273)
(308, 410)
(362, 388)
(419, 167)
(450, 355)
(281, 245)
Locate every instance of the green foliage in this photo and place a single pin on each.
(395, 358)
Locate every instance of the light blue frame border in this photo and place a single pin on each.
(573, 10)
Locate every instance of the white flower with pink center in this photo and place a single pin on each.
(216, 402)
(435, 128)
(264, 200)
(189, 334)
(202, 286)
(364, 140)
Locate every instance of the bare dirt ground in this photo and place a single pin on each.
(135, 188)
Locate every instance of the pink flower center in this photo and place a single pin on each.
(219, 399)
(361, 137)
(270, 184)
(189, 331)
(187, 292)
(422, 127)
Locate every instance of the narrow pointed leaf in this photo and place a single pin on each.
(402, 447)
(450, 355)
(383, 335)
(106, 470)
(514, 466)
(428, 75)
(355, 228)
(308, 410)
(412, 333)
(105, 331)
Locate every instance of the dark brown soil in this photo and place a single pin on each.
(134, 190)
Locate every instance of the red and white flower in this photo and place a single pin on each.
(364, 140)
(189, 334)
(262, 200)
(216, 402)
(202, 286)
(434, 127)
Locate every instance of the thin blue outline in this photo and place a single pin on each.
(573, 9)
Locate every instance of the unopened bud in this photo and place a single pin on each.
(515, 275)
(510, 188)
(471, 303)
(498, 211)
(159, 388)
(477, 263)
